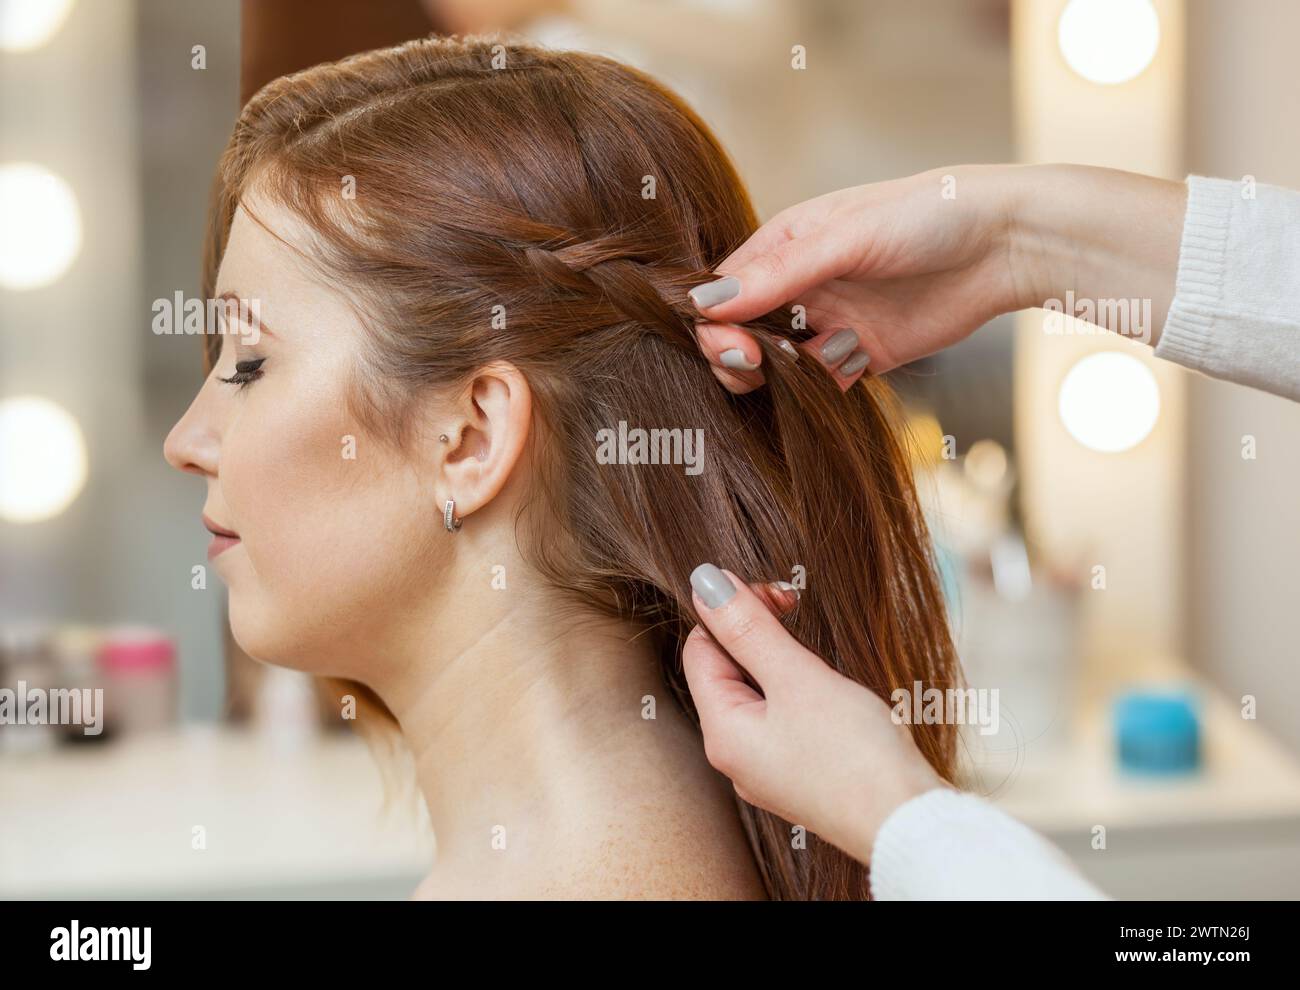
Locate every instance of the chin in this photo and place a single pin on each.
(269, 634)
(259, 634)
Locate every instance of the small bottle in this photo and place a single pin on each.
(285, 712)
(76, 663)
(140, 684)
(27, 670)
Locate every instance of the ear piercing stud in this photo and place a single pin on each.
(449, 516)
(442, 438)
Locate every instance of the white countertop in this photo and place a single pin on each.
(118, 819)
(1247, 778)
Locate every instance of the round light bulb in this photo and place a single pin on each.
(28, 24)
(42, 459)
(986, 464)
(41, 232)
(1109, 401)
(1108, 41)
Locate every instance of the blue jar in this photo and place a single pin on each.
(1158, 732)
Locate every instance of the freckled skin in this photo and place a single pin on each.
(682, 843)
(652, 836)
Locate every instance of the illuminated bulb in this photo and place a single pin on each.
(985, 464)
(41, 232)
(42, 459)
(28, 24)
(1108, 41)
(1109, 402)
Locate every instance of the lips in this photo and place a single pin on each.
(222, 539)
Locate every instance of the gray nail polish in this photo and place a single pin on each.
(712, 585)
(735, 358)
(856, 363)
(839, 346)
(714, 293)
(789, 348)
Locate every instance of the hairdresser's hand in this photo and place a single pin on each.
(914, 265)
(816, 748)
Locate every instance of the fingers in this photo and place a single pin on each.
(779, 596)
(843, 353)
(771, 279)
(718, 685)
(742, 623)
(734, 355)
(736, 359)
(755, 282)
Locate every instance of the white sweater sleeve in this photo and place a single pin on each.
(1236, 308)
(945, 845)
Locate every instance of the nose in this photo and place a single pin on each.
(194, 445)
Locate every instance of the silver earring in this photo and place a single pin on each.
(442, 438)
(449, 516)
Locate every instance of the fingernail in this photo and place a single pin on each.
(856, 363)
(787, 586)
(714, 293)
(839, 346)
(735, 358)
(789, 348)
(713, 587)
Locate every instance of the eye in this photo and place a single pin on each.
(245, 372)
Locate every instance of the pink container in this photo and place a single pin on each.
(140, 681)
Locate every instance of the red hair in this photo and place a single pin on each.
(496, 178)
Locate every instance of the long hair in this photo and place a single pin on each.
(490, 201)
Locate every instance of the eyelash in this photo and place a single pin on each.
(245, 373)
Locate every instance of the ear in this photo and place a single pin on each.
(489, 427)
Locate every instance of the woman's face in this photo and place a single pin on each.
(334, 530)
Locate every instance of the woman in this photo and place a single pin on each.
(469, 263)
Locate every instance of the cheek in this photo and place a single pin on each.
(331, 523)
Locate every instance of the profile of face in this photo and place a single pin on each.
(336, 531)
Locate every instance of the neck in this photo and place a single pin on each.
(532, 721)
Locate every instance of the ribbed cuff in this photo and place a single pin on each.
(945, 845)
(1189, 331)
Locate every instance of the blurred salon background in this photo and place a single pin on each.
(1118, 537)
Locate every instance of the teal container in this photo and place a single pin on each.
(1158, 732)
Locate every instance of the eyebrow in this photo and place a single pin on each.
(245, 308)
